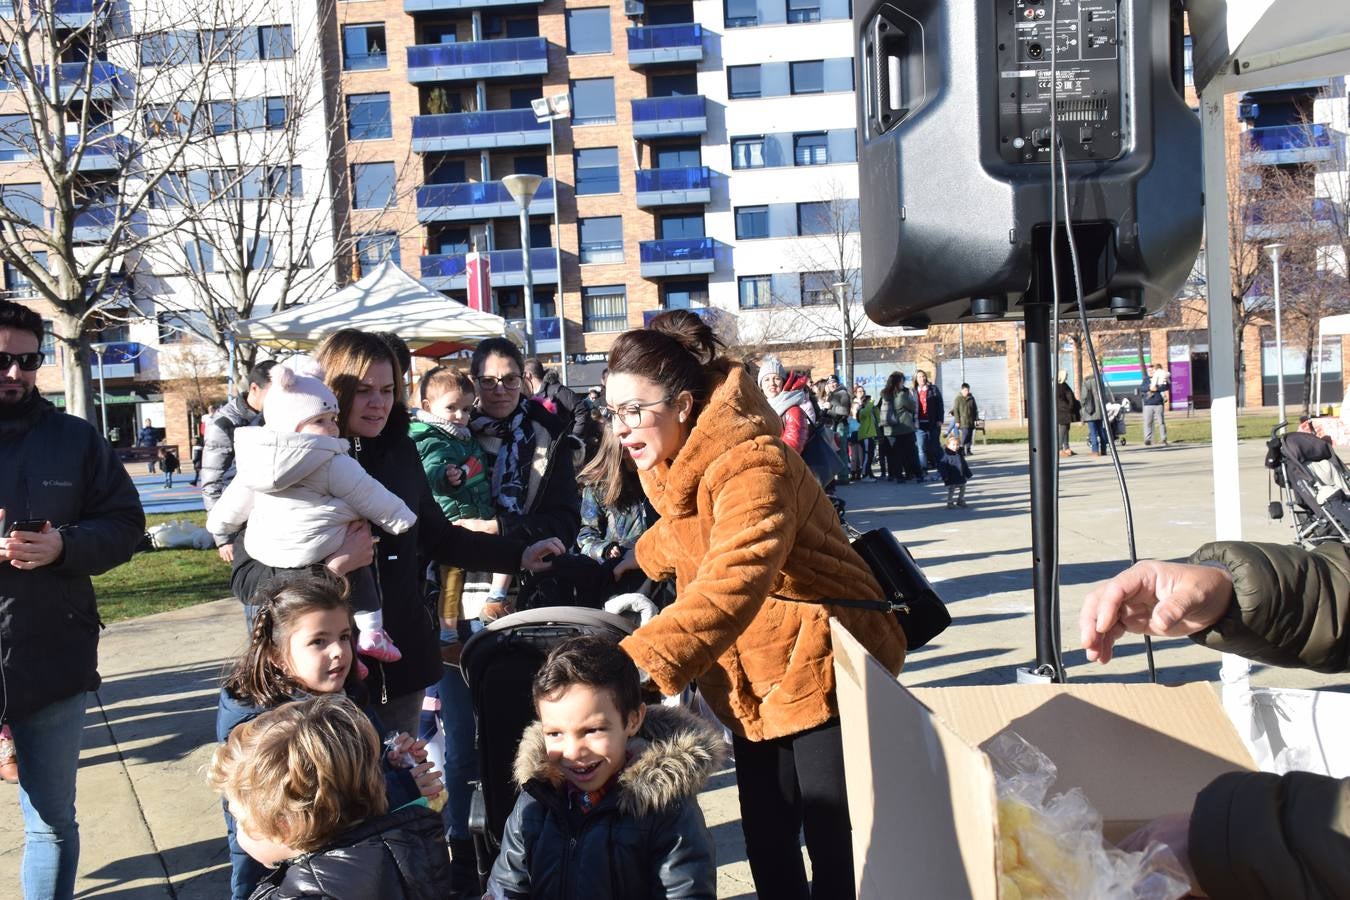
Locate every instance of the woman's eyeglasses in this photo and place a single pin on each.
(28, 362)
(630, 414)
(508, 382)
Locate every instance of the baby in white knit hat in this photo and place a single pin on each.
(297, 489)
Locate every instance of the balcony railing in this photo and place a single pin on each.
(1320, 210)
(478, 59)
(665, 44)
(445, 271)
(105, 82)
(416, 6)
(100, 153)
(477, 201)
(547, 333)
(677, 256)
(669, 116)
(1290, 137)
(670, 187)
(94, 224)
(478, 130)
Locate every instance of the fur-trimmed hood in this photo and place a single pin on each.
(669, 760)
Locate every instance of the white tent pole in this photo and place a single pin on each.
(1218, 290)
(1235, 670)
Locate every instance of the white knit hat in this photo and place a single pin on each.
(297, 394)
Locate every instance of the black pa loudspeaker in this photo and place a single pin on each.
(954, 151)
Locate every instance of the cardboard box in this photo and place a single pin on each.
(921, 790)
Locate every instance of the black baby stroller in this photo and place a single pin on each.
(1314, 484)
(499, 664)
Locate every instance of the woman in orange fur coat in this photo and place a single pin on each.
(746, 530)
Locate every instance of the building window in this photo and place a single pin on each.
(810, 149)
(228, 45)
(201, 256)
(24, 201)
(684, 294)
(182, 326)
(752, 222)
(597, 171)
(276, 42)
(363, 47)
(604, 308)
(682, 84)
(223, 183)
(521, 98)
(368, 117)
(260, 252)
(373, 249)
(742, 82)
(530, 165)
(372, 185)
(588, 30)
(1188, 50)
(803, 10)
(818, 288)
(683, 156)
(170, 191)
(593, 101)
(222, 116)
(169, 48)
(601, 239)
(48, 346)
(278, 112)
(741, 13)
(756, 291)
(747, 153)
(16, 138)
(814, 218)
(681, 226)
(808, 77)
(18, 284)
(285, 181)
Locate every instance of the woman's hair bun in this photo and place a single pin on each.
(691, 332)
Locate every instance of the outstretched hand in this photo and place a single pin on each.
(538, 557)
(1151, 597)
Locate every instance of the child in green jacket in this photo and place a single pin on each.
(458, 471)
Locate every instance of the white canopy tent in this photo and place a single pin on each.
(1242, 45)
(1335, 326)
(387, 299)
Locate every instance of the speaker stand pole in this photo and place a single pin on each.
(1039, 361)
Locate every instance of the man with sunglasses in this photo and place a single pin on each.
(70, 511)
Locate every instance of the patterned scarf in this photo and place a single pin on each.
(511, 470)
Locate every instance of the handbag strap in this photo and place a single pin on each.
(886, 606)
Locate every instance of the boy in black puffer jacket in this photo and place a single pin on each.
(304, 783)
(608, 808)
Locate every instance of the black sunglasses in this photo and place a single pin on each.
(28, 362)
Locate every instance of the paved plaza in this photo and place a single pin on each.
(151, 829)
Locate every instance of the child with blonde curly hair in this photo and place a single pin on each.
(305, 786)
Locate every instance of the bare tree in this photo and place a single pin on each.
(77, 116)
(826, 303)
(257, 226)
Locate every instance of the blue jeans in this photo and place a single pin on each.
(1097, 436)
(461, 759)
(48, 747)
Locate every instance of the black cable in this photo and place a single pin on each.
(1097, 390)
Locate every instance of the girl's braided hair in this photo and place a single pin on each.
(259, 676)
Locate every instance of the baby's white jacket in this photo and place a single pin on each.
(297, 493)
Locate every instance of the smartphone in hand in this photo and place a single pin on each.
(32, 525)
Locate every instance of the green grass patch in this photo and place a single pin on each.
(159, 580)
(1180, 429)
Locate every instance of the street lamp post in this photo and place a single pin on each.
(551, 109)
(522, 189)
(1274, 251)
(98, 349)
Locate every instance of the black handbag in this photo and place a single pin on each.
(909, 594)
